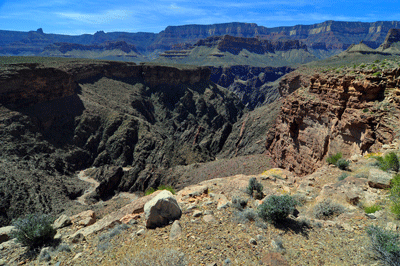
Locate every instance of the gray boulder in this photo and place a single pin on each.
(379, 179)
(62, 221)
(162, 209)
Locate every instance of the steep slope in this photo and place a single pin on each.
(392, 42)
(228, 50)
(64, 115)
(349, 111)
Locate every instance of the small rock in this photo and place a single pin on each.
(191, 207)
(212, 264)
(77, 237)
(85, 218)
(390, 226)
(278, 246)
(62, 221)
(352, 198)
(227, 262)
(140, 232)
(370, 215)
(208, 202)
(77, 256)
(209, 218)
(259, 237)
(223, 202)
(44, 254)
(133, 222)
(197, 213)
(252, 241)
(176, 231)
(2, 262)
(5, 233)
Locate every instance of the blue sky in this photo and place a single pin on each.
(75, 17)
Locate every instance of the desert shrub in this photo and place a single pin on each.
(395, 195)
(343, 176)
(376, 74)
(247, 215)
(389, 162)
(254, 185)
(361, 175)
(277, 208)
(327, 209)
(385, 244)
(34, 230)
(113, 232)
(239, 203)
(372, 208)
(159, 257)
(151, 190)
(169, 188)
(333, 159)
(342, 164)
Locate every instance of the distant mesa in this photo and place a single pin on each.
(231, 50)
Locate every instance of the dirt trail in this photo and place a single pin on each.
(93, 184)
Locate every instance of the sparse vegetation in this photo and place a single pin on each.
(395, 196)
(385, 244)
(333, 159)
(342, 164)
(277, 208)
(34, 231)
(151, 190)
(254, 185)
(327, 209)
(372, 208)
(389, 162)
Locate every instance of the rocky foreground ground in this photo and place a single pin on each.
(213, 231)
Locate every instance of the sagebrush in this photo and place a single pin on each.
(277, 208)
(34, 230)
(385, 244)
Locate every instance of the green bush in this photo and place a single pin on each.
(327, 209)
(385, 244)
(34, 231)
(151, 190)
(395, 195)
(333, 159)
(277, 208)
(342, 164)
(389, 162)
(372, 208)
(254, 185)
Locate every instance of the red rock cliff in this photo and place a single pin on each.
(334, 113)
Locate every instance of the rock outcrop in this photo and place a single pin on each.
(348, 113)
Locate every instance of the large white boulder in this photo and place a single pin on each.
(162, 209)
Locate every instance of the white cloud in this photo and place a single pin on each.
(99, 18)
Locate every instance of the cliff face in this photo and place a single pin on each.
(253, 85)
(348, 113)
(235, 45)
(65, 47)
(393, 36)
(329, 35)
(61, 117)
